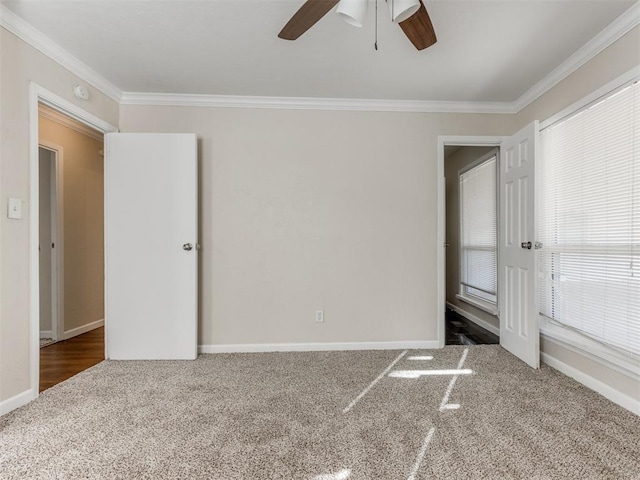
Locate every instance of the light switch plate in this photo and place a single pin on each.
(15, 208)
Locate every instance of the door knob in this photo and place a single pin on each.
(526, 245)
(187, 246)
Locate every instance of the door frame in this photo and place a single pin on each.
(57, 237)
(462, 141)
(40, 95)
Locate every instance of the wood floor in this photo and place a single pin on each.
(64, 359)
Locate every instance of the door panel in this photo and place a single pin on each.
(151, 280)
(519, 332)
(46, 198)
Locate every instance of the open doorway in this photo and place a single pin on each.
(471, 220)
(71, 246)
(39, 96)
(49, 161)
(516, 261)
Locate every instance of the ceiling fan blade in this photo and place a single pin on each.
(306, 17)
(418, 29)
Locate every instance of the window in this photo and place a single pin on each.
(478, 232)
(589, 221)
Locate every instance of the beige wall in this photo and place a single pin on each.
(83, 194)
(19, 65)
(612, 62)
(302, 210)
(307, 210)
(453, 163)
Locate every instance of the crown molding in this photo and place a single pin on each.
(614, 31)
(304, 103)
(62, 119)
(25, 31)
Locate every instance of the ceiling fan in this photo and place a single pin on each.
(411, 15)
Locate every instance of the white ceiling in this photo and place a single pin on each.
(490, 51)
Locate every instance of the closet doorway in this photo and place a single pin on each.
(471, 219)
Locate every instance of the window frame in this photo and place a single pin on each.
(463, 290)
(619, 360)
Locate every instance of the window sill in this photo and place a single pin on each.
(626, 363)
(486, 307)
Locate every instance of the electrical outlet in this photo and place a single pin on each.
(319, 315)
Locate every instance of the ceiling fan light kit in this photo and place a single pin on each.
(401, 10)
(410, 15)
(353, 11)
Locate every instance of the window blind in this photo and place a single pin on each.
(589, 220)
(478, 233)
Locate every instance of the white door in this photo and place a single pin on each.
(151, 300)
(519, 332)
(46, 174)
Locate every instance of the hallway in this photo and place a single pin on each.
(64, 359)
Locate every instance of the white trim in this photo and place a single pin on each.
(46, 334)
(627, 77)
(74, 332)
(106, 243)
(443, 140)
(308, 103)
(484, 306)
(317, 347)
(613, 32)
(475, 319)
(65, 121)
(26, 32)
(481, 160)
(34, 229)
(57, 297)
(610, 34)
(471, 141)
(441, 247)
(37, 94)
(72, 110)
(617, 397)
(16, 401)
(621, 362)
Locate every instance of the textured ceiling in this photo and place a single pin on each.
(486, 50)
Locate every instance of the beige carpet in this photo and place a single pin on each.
(46, 341)
(282, 416)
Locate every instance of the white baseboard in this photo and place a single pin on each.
(74, 332)
(46, 334)
(617, 397)
(317, 347)
(472, 318)
(16, 401)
